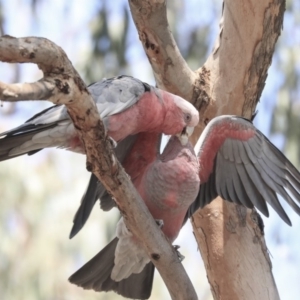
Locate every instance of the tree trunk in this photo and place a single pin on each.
(230, 238)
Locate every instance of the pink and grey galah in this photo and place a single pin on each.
(168, 183)
(235, 161)
(128, 108)
(238, 163)
(126, 105)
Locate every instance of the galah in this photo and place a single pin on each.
(126, 105)
(235, 161)
(238, 163)
(128, 108)
(168, 183)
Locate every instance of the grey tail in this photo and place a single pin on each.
(87, 203)
(96, 190)
(16, 137)
(96, 273)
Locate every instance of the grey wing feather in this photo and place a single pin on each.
(242, 171)
(232, 191)
(40, 122)
(210, 190)
(112, 96)
(96, 275)
(221, 174)
(207, 193)
(96, 190)
(251, 173)
(117, 94)
(18, 136)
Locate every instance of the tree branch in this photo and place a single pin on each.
(237, 72)
(26, 91)
(230, 82)
(63, 84)
(170, 69)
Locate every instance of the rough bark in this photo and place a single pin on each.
(230, 239)
(61, 84)
(170, 69)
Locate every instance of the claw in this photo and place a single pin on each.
(113, 143)
(160, 223)
(180, 256)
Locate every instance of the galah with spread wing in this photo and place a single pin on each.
(238, 163)
(235, 161)
(168, 183)
(126, 105)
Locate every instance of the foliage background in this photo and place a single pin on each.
(40, 194)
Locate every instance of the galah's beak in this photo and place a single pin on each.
(185, 134)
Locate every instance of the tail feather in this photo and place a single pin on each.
(88, 201)
(96, 190)
(96, 275)
(9, 140)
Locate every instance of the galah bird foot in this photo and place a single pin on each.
(160, 223)
(180, 256)
(113, 143)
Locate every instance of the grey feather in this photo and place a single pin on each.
(251, 183)
(221, 174)
(239, 188)
(285, 174)
(227, 150)
(96, 273)
(207, 193)
(278, 184)
(249, 171)
(267, 194)
(18, 136)
(238, 154)
(235, 195)
(251, 189)
(121, 91)
(96, 190)
(211, 192)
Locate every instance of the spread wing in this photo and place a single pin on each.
(247, 169)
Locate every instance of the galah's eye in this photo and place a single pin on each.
(187, 118)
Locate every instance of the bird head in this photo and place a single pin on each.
(191, 118)
(190, 113)
(181, 116)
